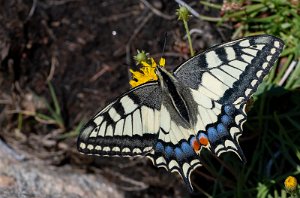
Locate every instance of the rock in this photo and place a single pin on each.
(28, 178)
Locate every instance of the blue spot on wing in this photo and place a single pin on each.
(229, 110)
(192, 140)
(169, 152)
(179, 154)
(159, 147)
(187, 149)
(201, 134)
(222, 130)
(212, 134)
(226, 120)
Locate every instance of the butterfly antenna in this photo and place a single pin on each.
(164, 46)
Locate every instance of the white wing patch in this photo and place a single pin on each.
(113, 114)
(247, 58)
(165, 122)
(213, 84)
(208, 93)
(238, 64)
(119, 127)
(201, 99)
(224, 77)
(128, 126)
(137, 124)
(128, 104)
(231, 53)
(213, 59)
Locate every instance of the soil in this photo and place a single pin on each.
(84, 49)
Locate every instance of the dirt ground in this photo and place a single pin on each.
(84, 49)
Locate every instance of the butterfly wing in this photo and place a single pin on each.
(127, 127)
(173, 150)
(221, 80)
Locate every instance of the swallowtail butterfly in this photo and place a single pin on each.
(200, 105)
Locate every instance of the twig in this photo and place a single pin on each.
(5, 101)
(28, 113)
(61, 2)
(138, 186)
(52, 69)
(48, 30)
(287, 73)
(31, 12)
(221, 34)
(156, 11)
(201, 190)
(116, 17)
(100, 73)
(206, 176)
(193, 31)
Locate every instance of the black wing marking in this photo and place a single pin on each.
(127, 127)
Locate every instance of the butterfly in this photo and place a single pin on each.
(200, 105)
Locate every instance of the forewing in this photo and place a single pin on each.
(127, 127)
(221, 80)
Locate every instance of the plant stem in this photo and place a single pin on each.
(189, 37)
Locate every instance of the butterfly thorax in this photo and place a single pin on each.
(176, 98)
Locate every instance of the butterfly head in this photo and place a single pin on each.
(163, 74)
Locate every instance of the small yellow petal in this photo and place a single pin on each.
(153, 63)
(133, 83)
(136, 74)
(162, 62)
(145, 64)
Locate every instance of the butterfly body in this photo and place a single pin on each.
(200, 105)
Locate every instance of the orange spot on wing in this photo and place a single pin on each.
(196, 145)
(203, 141)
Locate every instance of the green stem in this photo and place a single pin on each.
(211, 19)
(189, 37)
(212, 5)
(248, 9)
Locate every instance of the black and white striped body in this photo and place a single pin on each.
(200, 105)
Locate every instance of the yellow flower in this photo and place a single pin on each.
(146, 72)
(290, 184)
